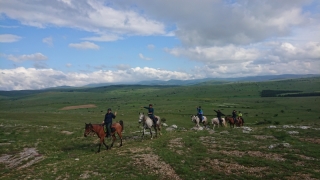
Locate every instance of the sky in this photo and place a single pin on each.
(50, 43)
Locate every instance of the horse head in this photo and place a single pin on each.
(141, 117)
(87, 129)
(193, 118)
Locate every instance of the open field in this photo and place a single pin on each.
(41, 133)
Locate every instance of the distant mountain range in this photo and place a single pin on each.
(174, 82)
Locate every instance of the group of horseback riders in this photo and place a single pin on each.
(236, 116)
(109, 116)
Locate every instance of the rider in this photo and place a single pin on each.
(240, 116)
(219, 114)
(234, 115)
(199, 113)
(151, 114)
(108, 121)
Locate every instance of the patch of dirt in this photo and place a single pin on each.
(66, 132)
(299, 176)
(177, 143)
(306, 157)
(78, 107)
(312, 140)
(152, 164)
(232, 168)
(26, 158)
(86, 174)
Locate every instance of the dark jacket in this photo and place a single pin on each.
(219, 114)
(108, 118)
(234, 114)
(150, 110)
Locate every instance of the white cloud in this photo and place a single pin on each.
(26, 57)
(31, 78)
(219, 22)
(144, 58)
(8, 38)
(48, 40)
(256, 53)
(88, 15)
(68, 65)
(104, 38)
(151, 46)
(84, 45)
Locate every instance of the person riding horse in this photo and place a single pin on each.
(234, 115)
(219, 114)
(151, 114)
(108, 121)
(200, 113)
(240, 116)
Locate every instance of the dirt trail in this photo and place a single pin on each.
(78, 107)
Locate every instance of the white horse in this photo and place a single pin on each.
(195, 119)
(215, 121)
(147, 123)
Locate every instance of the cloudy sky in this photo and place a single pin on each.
(48, 43)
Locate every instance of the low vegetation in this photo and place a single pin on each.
(41, 133)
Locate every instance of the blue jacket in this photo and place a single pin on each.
(108, 118)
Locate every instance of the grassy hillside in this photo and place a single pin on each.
(34, 122)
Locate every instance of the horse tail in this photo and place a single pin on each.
(122, 125)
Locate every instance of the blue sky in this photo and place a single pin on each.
(77, 42)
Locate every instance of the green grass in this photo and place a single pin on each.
(34, 119)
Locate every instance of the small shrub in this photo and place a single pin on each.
(163, 120)
(275, 115)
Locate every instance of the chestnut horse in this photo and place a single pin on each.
(99, 130)
(232, 123)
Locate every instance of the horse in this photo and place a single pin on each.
(195, 119)
(215, 121)
(99, 130)
(232, 123)
(147, 123)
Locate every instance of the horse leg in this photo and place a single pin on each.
(155, 130)
(159, 129)
(120, 136)
(144, 129)
(113, 139)
(107, 147)
(151, 132)
(99, 147)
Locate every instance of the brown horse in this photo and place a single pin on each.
(232, 123)
(99, 130)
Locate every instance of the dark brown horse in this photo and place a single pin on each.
(99, 130)
(231, 121)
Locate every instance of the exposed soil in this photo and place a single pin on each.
(312, 140)
(78, 107)
(176, 145)
(26, 158)
(151, 163)
(231, 168)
